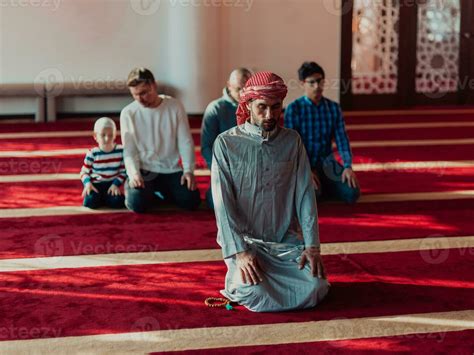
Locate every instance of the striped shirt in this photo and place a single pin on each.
(318, 125)
(100, 166)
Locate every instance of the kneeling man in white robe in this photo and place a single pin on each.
(265, 206)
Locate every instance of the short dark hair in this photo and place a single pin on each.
(140, 75)
(308, 69)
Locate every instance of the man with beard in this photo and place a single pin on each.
(155, 136)
(318, 120)
(265, 206)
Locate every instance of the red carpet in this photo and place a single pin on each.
(415, 133)
(81, 301)
(56, 193)
(68, 192)
(57, 143)
(8, 166)
(112, 299)
(28, 237)
(413, 153)
(53, 165)
(416, 180)
(53, 143)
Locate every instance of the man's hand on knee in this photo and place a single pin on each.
(349, 176)
(313, 256)
(136, 182)
(316, 181)
(249, 268)
(190, 181)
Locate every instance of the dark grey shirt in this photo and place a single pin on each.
(218, 117)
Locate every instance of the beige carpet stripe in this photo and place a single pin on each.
(435, 166)
(48, 134)
(42, 153)
(413, 165)
(62, 176)
(38, 177)
(408, 125)
(67, 134)
(118, 259)
(417, 196)
(247, 335)
(53, 211)
(414, 142)
(373, 198)
(186, 256)
(435, 112)
(50, 153)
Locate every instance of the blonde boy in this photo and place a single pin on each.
(103, 171)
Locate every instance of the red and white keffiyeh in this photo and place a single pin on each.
(261, 85)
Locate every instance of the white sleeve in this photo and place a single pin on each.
(131, 156)
(185, 140)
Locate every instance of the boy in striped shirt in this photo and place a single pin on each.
(103, 171)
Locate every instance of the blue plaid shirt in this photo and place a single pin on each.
(317, 126)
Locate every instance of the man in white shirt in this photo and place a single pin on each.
(155, 135)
